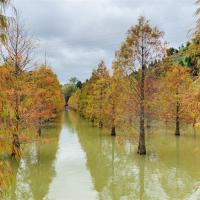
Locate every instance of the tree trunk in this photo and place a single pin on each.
(177, 133)
(39, 131)
(15, 146)
(17, 111)
(100, 124)
(148, 123)
(141, 146)
(15, 142)
(92, 120)
(113, 131)
(194, 122)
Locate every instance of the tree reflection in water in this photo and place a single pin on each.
(34, 172)
(117, 172)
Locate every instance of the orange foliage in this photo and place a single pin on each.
(28, 98)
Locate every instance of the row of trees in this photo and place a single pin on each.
(148, 83)
(30, 95)
(28, 98)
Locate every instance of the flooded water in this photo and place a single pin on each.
(81, 162)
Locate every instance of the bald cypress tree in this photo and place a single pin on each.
(143, 45)
(99, 88)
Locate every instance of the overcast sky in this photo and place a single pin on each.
(78, 34)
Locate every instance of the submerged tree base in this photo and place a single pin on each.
(113, 131)
(177, 134)
(16, 151)
(148, 126)
(39, 131)
(141, 150)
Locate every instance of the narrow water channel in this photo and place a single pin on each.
(79, 162)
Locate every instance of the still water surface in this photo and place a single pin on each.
(81, 162)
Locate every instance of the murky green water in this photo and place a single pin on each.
(84, 163)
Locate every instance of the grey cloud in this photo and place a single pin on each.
(79, 33)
